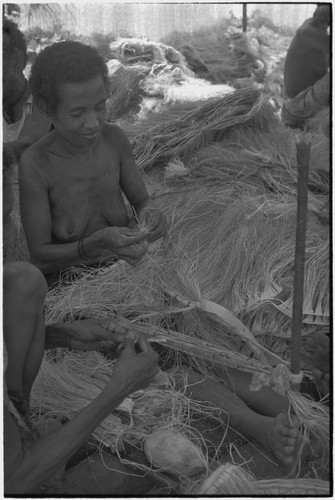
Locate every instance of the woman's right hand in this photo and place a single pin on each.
(136, 366)
(126, 243)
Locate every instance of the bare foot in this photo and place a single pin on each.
(317, 356)
(281, 436)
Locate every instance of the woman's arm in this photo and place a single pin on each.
(133, 186)
(27, 469)
(103, 335)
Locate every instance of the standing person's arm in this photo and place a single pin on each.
(315, 38)
(27, 469)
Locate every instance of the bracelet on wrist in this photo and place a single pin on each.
(81, 251)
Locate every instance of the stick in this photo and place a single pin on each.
(303, 155)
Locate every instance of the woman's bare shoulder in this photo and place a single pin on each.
(35, 158)
(113, 131)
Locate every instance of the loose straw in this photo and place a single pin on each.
(303, 155)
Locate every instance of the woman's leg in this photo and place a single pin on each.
(24, 290)
(278, 433)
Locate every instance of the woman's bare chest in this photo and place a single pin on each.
(82, 185)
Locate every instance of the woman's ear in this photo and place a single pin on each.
(18, 60)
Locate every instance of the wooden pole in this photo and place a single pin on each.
(244, 18)
(303, 156)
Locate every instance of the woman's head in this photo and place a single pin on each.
(61, 63)
(12, 41)
(14, 60)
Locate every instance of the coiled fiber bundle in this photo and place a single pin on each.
(230, 479)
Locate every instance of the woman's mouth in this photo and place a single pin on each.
(92, 135)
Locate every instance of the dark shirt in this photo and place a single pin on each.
(307, 58)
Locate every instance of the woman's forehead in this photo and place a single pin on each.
(72, 94)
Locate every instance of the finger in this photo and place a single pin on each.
(142, 344)
(138, 232)
(113, 327)
(317, 374)
(134, 253)
(129, 342)
(131, 335)
(120, 347)
(108, 346)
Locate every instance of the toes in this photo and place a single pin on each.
(285, 456)
(289, 432)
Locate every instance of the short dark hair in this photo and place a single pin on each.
(12, 39)
(322, 14)
(64, 62)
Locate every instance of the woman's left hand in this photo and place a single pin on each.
(155, 222)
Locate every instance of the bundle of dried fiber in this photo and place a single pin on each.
(223, 353)
(170, 113)
(302, 487)
(171, 85)
(17, 249)
(315, 429)
(126, 92)
(279, 144)
(61, 390)
(115, 289)
(230, 479)
(226, 163)
(139, 50)
(249, 250)
(208, 123)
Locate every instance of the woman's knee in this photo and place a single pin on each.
(24, 279)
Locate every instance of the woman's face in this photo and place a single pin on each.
(81, 111)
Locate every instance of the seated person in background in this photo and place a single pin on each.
(71, 181)
(306, 70)
(22, 122)
(22, 125)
